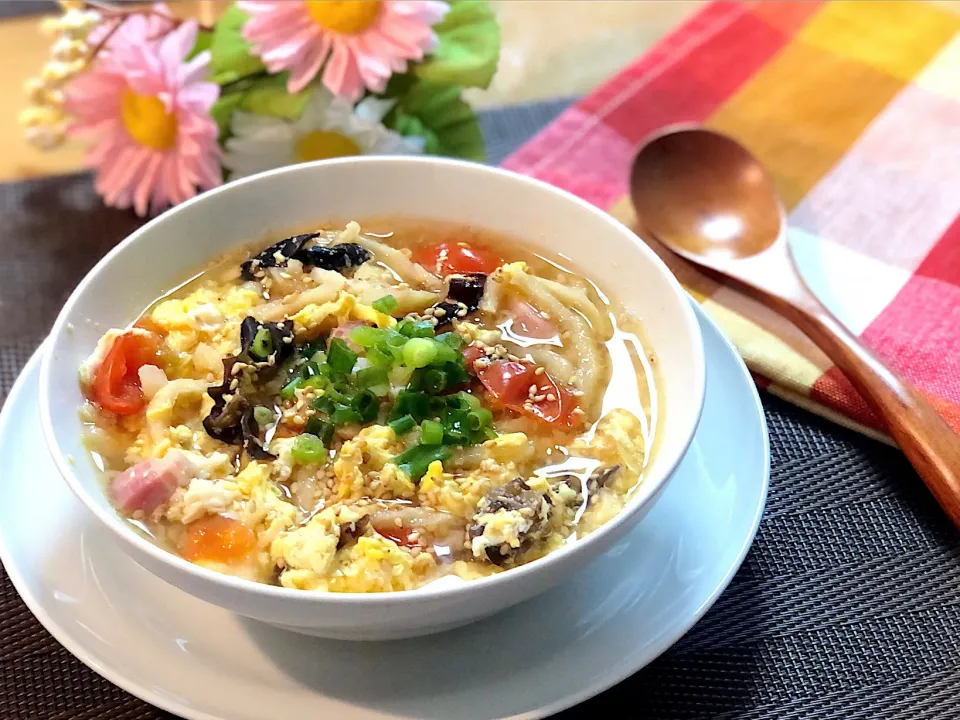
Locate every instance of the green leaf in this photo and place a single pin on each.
(469, 46)
(261, 96)
(269, 96)
(204, 39)
(222, 111)
(230, 54)
(440, 116)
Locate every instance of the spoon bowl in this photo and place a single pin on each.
(737, 212)
(706, 197)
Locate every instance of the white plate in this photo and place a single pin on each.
(202, 662)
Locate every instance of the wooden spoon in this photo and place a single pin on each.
(706, 198)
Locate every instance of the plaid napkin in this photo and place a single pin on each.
(854, 108)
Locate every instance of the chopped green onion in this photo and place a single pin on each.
(395, 339)
(263, 415)
(309, 369)
(479, 419)
(387, 304)
(412, 403)
(371, 377)
(320, 428)
(400, 375)
(308, 448)
(445, 353)
(324, 405)
(309, 349)
(341, 358)
(423, 329)
(452, 339)
(431, 433)
(405, 327)
(316, 381)
(456, 372)
(290, 389)
(345, 416)
(366, 336)
(466, 401)
(319, 357)
(456, 431)
(379, 357)
(367, 404)
(420, 352)
(417, 459)
(403, 425)
(434, 381)
(262, 345)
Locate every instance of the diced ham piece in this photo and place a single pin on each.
(530, 322)
(343, 332)
(150, 483)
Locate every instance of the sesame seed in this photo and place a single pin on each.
(551, 397)
(234, 384)
(429, 312)
(461, 313)
(398, 522)
(513, 357)
(539, 398)
(279, 257)
(439, 312)
(288, 339)
(539, 371)
(532, 390)
(577, 411)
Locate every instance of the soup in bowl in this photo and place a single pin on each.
(383, 407)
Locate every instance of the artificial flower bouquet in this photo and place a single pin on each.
(171, 108)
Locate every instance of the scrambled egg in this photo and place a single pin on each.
(618, 439)
(363, 466)
(265, 508)
(503, 527)
(376, 564)
(512, 447)
(459, 495)
(203, 316)
(344, 309)
(307, 553)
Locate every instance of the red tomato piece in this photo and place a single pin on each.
(509, 382)
(471, 354)
(116, 385)
(449, 257)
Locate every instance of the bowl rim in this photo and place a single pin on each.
(111, 519)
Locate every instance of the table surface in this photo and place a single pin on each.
(848, 605)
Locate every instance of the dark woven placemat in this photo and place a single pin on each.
(848, 605)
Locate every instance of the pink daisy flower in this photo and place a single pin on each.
(366, 41)
(147, 111)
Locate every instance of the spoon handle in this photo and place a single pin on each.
(925, 438)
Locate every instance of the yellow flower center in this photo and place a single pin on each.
(147, 120)
(322, 145)
(348, 17)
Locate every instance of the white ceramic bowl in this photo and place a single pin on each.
(170, 248)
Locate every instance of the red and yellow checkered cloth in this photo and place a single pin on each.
(854, 108)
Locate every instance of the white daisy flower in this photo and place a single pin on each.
(329, 127)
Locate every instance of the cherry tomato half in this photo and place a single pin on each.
(508, 382)
(116, 385)
(450, 257)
